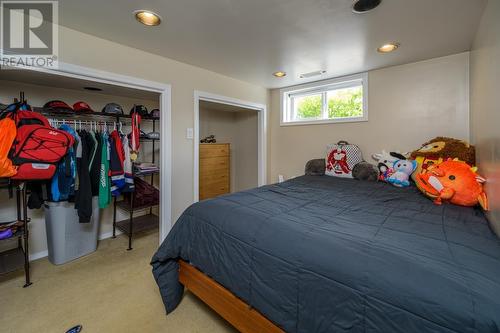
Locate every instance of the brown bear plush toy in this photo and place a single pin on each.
(440, 149)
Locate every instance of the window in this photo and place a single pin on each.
(337, 100)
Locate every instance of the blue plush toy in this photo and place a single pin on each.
(402, 172)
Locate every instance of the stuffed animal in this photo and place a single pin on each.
(365, 171)
(402, 172)
(315, 167)
(440, 149)
(453, 181)
(209, 139)
(386, 162)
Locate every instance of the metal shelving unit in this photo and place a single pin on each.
(128, 226)
(18, 257)
(135, 225)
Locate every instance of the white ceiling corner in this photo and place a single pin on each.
(249, 40)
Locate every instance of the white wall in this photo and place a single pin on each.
(240, 129)
(408, 105)
(247, 157)
(222, 125)
(485, 108)
(37, 96)
(85, 50)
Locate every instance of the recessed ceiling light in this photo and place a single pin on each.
(389, 47)
(279, 74)
(311, 74)
(363, 6)
(147, 17)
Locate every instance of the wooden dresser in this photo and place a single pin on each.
(214, 169)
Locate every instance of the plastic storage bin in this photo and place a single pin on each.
(67, 239)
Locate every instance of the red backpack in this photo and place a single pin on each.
(38, 147)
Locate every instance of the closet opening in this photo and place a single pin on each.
(116, 118)
(229, 146)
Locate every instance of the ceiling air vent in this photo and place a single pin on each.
(311, 74)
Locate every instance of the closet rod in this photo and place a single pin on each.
(87, 115)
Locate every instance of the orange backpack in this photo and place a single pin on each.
(8, 133)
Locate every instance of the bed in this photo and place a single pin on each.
(325, 254)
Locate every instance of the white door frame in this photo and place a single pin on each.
(262, 135)
(85, 73)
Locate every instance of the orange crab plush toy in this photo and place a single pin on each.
(453, 181)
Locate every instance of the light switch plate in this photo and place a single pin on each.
(189, 133)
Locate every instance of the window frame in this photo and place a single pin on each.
(322, 88)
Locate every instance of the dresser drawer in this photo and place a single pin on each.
(214, 150)
(214, 170)
(214, 177)
(214, 163)
(213, 192)
(213, 173)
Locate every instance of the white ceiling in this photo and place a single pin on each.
(251, 39)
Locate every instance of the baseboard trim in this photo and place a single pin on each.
(109, 234)
(39, 255)
(43, 254)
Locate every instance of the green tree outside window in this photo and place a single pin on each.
(345, 103)
(342, 103)
(309, 107)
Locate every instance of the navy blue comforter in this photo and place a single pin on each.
(323, 254)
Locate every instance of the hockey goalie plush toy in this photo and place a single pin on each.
(453, 181)
(341, 159)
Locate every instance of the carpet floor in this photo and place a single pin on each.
(111, 290)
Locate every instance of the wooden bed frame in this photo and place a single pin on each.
(241, 315)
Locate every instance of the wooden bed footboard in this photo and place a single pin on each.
(239, 314)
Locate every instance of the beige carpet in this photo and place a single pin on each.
(111, 290)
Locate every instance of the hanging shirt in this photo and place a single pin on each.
(104, 182)
(78, 150)
(95, 167)
(94, 148)
(116, 164)
(127, 167)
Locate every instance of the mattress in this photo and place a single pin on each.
(325, 254)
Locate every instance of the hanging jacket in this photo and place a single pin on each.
(95, 167)
(104, 182)
(63, 182)
(39, 192)
(83, 198)
(127, 167)
(116, 160)
(135, 136)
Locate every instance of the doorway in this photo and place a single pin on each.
(236, 160)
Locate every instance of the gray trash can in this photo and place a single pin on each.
(67, 239)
